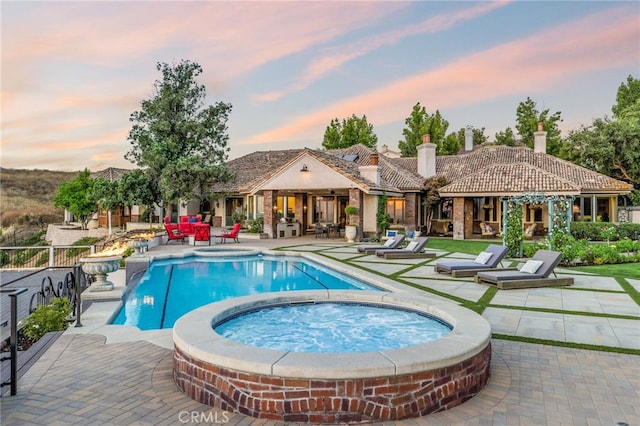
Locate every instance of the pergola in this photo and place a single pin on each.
(559, 212)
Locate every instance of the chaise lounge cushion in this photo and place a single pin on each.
(531, 266)
(497, 251)
(483, 258)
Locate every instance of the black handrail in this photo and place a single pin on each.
(13, 339)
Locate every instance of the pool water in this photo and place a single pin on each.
(171, 288)
(332, 328)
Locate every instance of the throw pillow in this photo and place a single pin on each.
(483, 258)
(531, 266)
(489, 228)
(412, 245)
(389, 242)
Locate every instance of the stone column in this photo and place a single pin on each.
(468, 218)
(270, 216)
(355, 199)
(458, 218)
(410, 212)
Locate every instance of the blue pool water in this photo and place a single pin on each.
(332, 328)
(171, 288)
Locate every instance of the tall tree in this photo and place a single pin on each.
(135, 188)
(627, 97)
(479, 138)
(350, 131)
(506, 137)
(77, 196)
(527, 119)
(175, 137)
(612, 146)
(420, 123)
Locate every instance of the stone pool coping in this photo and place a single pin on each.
(193, 335)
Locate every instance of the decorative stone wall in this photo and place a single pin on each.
(332, 401)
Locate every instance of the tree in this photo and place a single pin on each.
(612, 146)
(458, 140)
(350, 131)
(432, 197)
(627, 97)
(608, 147)
(420, 123)
(527, 121)
(135, 188)
(506, 137)
(77, 197)
(177, 140)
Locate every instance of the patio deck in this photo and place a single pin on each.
(87, 378)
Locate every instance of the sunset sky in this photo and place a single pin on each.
(73, 72)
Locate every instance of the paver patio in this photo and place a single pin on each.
(82, 379)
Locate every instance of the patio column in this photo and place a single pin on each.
(355, 199)
(468, 218)
(410, 212)
(270, 216)
(300, 212)
(458, 218)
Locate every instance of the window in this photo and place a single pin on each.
(395, 210)
(446, 209)
(323, 210)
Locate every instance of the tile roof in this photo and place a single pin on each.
(456, 167)
(510, 179)
(487, 169)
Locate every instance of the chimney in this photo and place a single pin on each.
(540, 140)
(372, 171)
(426, 157)
(468, 139)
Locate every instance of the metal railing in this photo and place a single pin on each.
(42, 256)
(13, 340)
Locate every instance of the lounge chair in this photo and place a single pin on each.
(392, 243)
(534, 273)
(415, 249)
(173, 233)
(230, 235)
(469, 268)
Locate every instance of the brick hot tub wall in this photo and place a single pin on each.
(332, 401)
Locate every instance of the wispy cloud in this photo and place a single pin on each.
(530, 65)
(340, 55)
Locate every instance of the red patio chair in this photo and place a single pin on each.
(233, 234)
(174, 233)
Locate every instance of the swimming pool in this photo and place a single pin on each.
(172, 287)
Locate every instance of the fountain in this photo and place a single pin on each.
(100, 264)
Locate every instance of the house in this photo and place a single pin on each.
(302, 187)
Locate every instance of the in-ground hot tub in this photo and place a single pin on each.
(331, 387)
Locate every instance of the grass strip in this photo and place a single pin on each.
(571, 345)
(565, 312)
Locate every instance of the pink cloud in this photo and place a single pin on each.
(343, 54)
(531, 65)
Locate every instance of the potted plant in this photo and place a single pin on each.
(350, 230)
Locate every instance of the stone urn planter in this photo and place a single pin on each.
(139, 245)
(350, 232)
(100, 266)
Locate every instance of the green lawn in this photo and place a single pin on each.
(460, 246)
(623, 270)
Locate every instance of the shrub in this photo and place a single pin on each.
(629, 230)
(47, 318)
(256, 226)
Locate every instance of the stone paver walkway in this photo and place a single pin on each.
(82, 379)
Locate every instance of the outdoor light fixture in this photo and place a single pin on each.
(304, 168)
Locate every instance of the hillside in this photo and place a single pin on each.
(26, 200)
